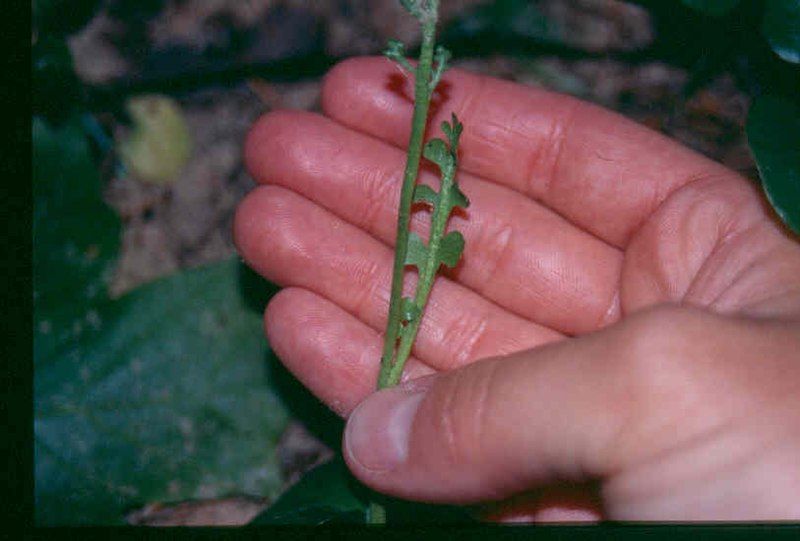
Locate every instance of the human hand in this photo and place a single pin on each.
(636, 305)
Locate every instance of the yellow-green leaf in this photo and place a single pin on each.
(160, 144)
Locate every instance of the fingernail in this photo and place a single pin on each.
(378, 430)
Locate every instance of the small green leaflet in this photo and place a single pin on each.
(417, 253)
(449, 252)
(426, 194)
(453, 131)
(441, 57)
(396, 50)
(451, 248)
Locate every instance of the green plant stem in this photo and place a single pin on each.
(427, 274)
(391, 366)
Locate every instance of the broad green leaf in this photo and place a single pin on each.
(330, 494)
(164, 396)
(773, 130)
(161, 395)
(451, 248)
(712, 7)
(326, 494)
(75, 235)
(781, 26)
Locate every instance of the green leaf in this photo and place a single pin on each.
(395, 48)
(161, 395)
(453, 131)
(425, 194)
(436, 151)
(330, 494)
(457, 197)
(75, 235)
(396, 51)
(712, 7)
(781, 26)
(451, 248)
(164, 396)
(326, 494)
(441, 58)
(773, 130)
(417, 252)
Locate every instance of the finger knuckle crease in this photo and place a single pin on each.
(544, 162)
(494, 243)
(379, 185)
(463, 336)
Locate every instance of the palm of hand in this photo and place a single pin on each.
(579, 218)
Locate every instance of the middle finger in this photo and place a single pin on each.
(520, 254)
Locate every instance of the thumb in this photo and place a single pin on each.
(574, 411)
(486, 431)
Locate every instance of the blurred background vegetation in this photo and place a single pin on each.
(157, 399)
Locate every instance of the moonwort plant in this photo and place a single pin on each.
(405, 313)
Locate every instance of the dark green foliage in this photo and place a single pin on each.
(61, 17)
(75, 234)
(326, 494)
(501, 19)
(781, 26)
(712, 7)
(56, 89)
(329, 494)
(160, 395)
(773, 130)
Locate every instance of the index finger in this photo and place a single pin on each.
(601, 171)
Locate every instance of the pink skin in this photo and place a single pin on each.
(636, 307)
